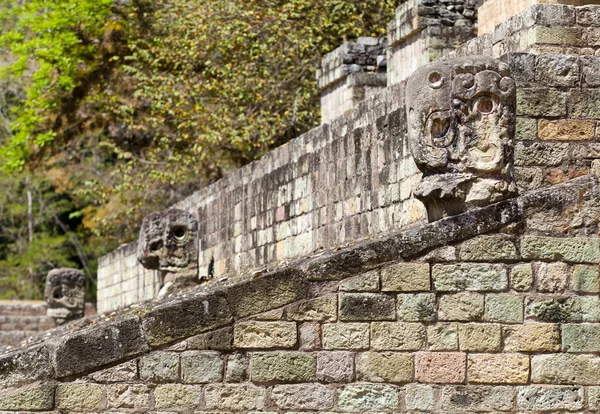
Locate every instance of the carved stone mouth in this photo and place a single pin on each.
(439, 124)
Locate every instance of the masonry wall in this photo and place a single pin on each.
(20, 320)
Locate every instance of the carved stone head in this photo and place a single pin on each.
(65, 294)
(461, 115)
(168, 242)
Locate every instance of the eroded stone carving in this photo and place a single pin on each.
(168, 242)
(65, 294)
(461, 116)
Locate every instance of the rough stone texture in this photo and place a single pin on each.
(469, 276)
(346, 336)
(488, 248)
(581, 337)
(310, 336)
(367, 282)
(283, 366)
(461, 307)
(201, 367)
(384, 367)
(552, 277)
(160, 367)
(234, 397)
(367, 307)
(477, 398)
(521, 277)
(405, 277)
(176, 395)
(132, 396)
(367, 397)
(419, 397)
(79, 397)
(440, 367)
(545, 399)
(35, 397)
(322, 309)
(581, 250)
(537, 337)
(303, 397)
(480, 337)
(397, 336)
(565, 369)
(498, 368)
(65, 294)
(419, 307)
(237, 368)
(585, 279)
(335, 366)
(442, 337)
(265, 335)
(503, 307)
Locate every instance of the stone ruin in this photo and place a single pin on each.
(434, 248)
(65, 294)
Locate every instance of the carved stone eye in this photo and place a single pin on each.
(485, 105)
(435, 80)
(179, 233)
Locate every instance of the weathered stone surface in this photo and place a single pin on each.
(532, 398)
(98, 345)
(564, 309)
(552, 277)
(536, 337)
(498, 368)
(366, 307)
(440, 367)
(462, 306)
(79, 397)
(367, 397)
(442, 337)
(541, 102)
(176, 395)
(503, 307)
(234, 397)
(201, 367)
(585, 279)
(583, 103)
(417, 307)
(557, 70)
(366, 282)
(397, 336)
(218, 340)
(283, 366)
(253, 334)
(405, 277)
(469, 276)
(186, 317)
(125, 372)
(32, 397)
(566, 130)
(384, 367)
(237, 368)
(25, 366)
(477, 398)
(569, 249)
(594, 397)
(323, 309)
(565, 369)
(303, 397)
(488, 248)
(346, 336)
(581, 337)
(267, 292)
(65, 294)
(160, 367)
(419, 397)
(480, 337)
(521, 277)
(310, 336)
(335, 366)
(133, 396)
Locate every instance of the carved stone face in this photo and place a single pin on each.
(461, 115)
(169, 242)
(65, 294)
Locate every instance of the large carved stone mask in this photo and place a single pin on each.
(461, 115)
(65, 294)
(169, 242)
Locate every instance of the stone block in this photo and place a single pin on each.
(345, 336)
(591, 70)
(585, 279)
(557, 70)
(33, 397)
(25, 366)
(235, 397)
(218, 340)
(79, 397)
(160, 366)
(535, 337)
(366, 307)
(552, 277)
(498, 368)
(581, 337)
(536, 398)
(566, 130)
(488, 248)
(366, 282)
(526, 129)
(303, 397)
(521, 277)
(384, 367)
(283, 366)
(541, 102)
(584, 103)
(504, 307)
(545, 154)
(469, 276)
(406, 277)
(476, 398)
(323, 309)
(594, 398)
(565, 369)
(397, 336)
(480, 337)
(568, 249)
(419, 397)
(335, 366)
(198, 367)
(254, 334)
(125, 372)
(237, 367)
(417, 307)
(442, 337)
(310, 336)
(440, 367)
(464, 306)
(564, 309)
(365, 397)
(556, 35)
(135, 396)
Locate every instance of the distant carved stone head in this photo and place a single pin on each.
(65, 294)
(461, 115)
(168, 242)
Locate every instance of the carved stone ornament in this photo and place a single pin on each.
(168, 242)
(461, 117)
(65, 294)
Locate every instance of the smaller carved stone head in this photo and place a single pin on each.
(461, 115)
(65, 294)
(168, 242)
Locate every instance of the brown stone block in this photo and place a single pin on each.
(498, 368)
(441, 367)
(566, 130)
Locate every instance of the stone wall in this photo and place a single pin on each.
(20, 320)
(495, 310)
